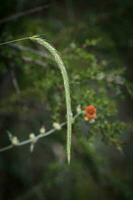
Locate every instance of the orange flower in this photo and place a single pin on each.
(90, 113)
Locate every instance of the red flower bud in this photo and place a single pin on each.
(90, 113)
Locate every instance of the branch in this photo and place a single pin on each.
(24, 48)
(33, 139)
(36, 62)
(15, 82)
(23, 13)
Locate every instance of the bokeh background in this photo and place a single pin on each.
(95, 39)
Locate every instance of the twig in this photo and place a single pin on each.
(24, 48)
(36, 62)
(23, 13)
(6, 148)
(29, 141)
(15, 82)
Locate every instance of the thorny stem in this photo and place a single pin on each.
(29, 141)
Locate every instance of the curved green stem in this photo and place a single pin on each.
(62, 68)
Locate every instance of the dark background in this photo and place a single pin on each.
(44, 174)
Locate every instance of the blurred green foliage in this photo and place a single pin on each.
(32, 95)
